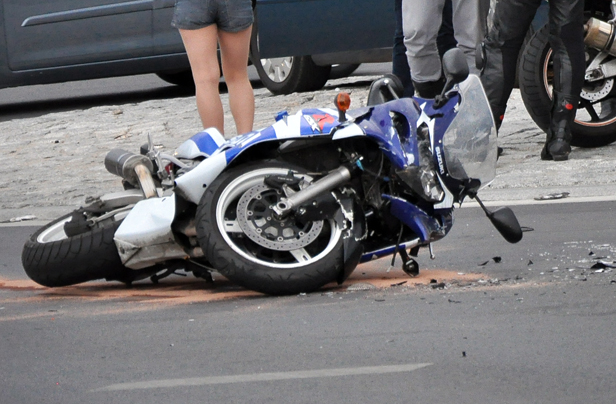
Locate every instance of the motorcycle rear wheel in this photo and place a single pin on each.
(243, 249)
(595, 123)
(51, 258)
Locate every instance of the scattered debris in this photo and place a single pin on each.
(398, 284)
(496, 259)
(454, 301)
(603, 264)
(549, 197)
(437, 285)
(361, 287)
(19, 219)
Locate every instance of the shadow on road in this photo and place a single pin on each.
(31, 109)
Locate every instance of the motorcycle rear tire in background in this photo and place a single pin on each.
(594, 125)
(51, 258)
(285, 263)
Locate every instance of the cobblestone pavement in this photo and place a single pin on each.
(53, 162)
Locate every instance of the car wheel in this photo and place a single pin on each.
(287, 75)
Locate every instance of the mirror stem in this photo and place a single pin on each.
(485, 210)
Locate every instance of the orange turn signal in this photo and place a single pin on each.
(343, 101)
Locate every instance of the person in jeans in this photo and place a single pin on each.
(421, 23)
(512, 18)
(203, 25)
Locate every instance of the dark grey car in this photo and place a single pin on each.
(50, 41)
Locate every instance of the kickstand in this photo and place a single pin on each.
(409, 265)
(171, 271)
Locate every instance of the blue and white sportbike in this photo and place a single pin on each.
(292, 207)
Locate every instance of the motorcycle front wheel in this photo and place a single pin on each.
(245, 241)
(52, 258)
(595, 120)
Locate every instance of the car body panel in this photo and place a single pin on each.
(50, 41)
(312, 27)
(66, 32)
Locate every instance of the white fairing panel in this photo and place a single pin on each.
(145, 235)
(351, 130)
(192, 184)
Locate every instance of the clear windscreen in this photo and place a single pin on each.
(470, 141)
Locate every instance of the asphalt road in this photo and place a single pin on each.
(537, 327)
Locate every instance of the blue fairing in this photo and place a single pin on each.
(400, 148)
(306, 123)
(205, 142)
(425, 226)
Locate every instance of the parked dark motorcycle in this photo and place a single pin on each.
(294, 206)
(595, 121)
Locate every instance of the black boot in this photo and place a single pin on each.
(428, 89)
(558, 140)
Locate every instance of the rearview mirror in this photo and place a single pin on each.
(454, 67)
(506, 223)
(456, 71)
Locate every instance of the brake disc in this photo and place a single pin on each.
(260, 223)
(597, 92)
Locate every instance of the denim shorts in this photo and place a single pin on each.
(228, 15)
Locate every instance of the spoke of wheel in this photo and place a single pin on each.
(301, 255)
(231, 226)
(591, 111)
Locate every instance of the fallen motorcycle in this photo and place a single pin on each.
(292, 207)
(595, 121)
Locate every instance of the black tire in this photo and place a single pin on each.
(527, 38)
(535, 87)
(342, 71)
(287, 75)
(249, 263)
(182, 78)
(53, 259)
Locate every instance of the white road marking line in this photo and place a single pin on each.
(264, 377)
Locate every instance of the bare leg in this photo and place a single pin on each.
(201, 47)
(234, 49)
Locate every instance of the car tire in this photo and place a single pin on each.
(182, 78)
(341, 71)
(287, 75)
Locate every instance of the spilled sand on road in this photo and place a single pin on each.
(184, 290)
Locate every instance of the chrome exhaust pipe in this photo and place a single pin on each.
(134, 168)
(600, 35)
(335, 178)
